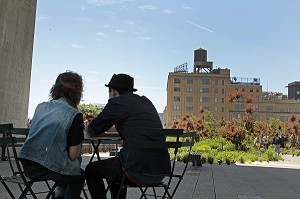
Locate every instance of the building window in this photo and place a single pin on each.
(243, 89)
(223, 100)
(189, 81)
(176, 99)
(189, 89)
(282, 109)
(204, 108)
(216, 100)
(216, 90)
(216, 82)
(204, 81)
(223, 82)
(268, 116)
(283, 118)
(269, 107)
(176, 117)
(204, 99)
(189, 99)
(204, 90)
(216, 109)
(189, 108)
(239, 106)
(176, 107)
(176, 89)
(256, 107)
(257, 98)
(223, 91)
(251, 90)
(216, 118)
(176, 80)
(222, 109)
(257, 90)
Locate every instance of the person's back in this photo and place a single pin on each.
(126, 109)
(52, 148)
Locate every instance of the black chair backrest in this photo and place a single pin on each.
(6, 128)
(138, 138)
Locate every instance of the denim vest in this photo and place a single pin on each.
(46, 143)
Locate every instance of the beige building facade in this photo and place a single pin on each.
(17, 23)
(207, 88)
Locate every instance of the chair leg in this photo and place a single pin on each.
(7, 188)
(143, 192)
(26, 190)
(84, 193)
(51, 191)
(154, 192)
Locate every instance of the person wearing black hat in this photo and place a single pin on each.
(125, 109)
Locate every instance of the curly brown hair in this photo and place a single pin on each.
(68, 85)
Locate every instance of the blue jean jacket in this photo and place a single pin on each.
(46, 143)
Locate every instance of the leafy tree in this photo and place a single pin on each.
(203, 124)
(276, 126)
(89, 110)
(234, 131)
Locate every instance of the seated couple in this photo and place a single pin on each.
(52, 150)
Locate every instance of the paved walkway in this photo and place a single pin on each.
(273, 180)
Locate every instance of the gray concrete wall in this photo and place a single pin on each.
(17, 22)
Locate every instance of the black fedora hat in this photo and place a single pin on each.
(122, 81)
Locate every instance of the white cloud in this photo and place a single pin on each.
(76, 46)
(166, 11)
(129, 22)
(106, 26)
(106, 2)
(144, 37)
(186, 7)
(148, 7)
(101, 34)
(119, 31)
(82, 7)
(201, 27)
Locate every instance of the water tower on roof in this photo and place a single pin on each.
(201, 65)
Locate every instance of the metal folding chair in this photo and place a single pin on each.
(18, 176)
(175, 140)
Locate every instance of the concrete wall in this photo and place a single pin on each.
(17, 22)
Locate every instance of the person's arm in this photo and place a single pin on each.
(74, 151)
(75, 137)
(106, 119)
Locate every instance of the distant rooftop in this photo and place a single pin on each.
(245, 80)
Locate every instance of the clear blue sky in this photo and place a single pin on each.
(147, 39)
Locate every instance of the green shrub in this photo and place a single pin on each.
(210, 159)
(185, 157)
(241, 159)
(227, 160)
(204, 158)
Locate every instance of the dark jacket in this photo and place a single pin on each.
(131, 110)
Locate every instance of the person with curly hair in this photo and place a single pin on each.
(52, 149)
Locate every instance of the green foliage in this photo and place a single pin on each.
(227, 160)
(241, 159)
(210, 159)
(204, 158)
(88, 109)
